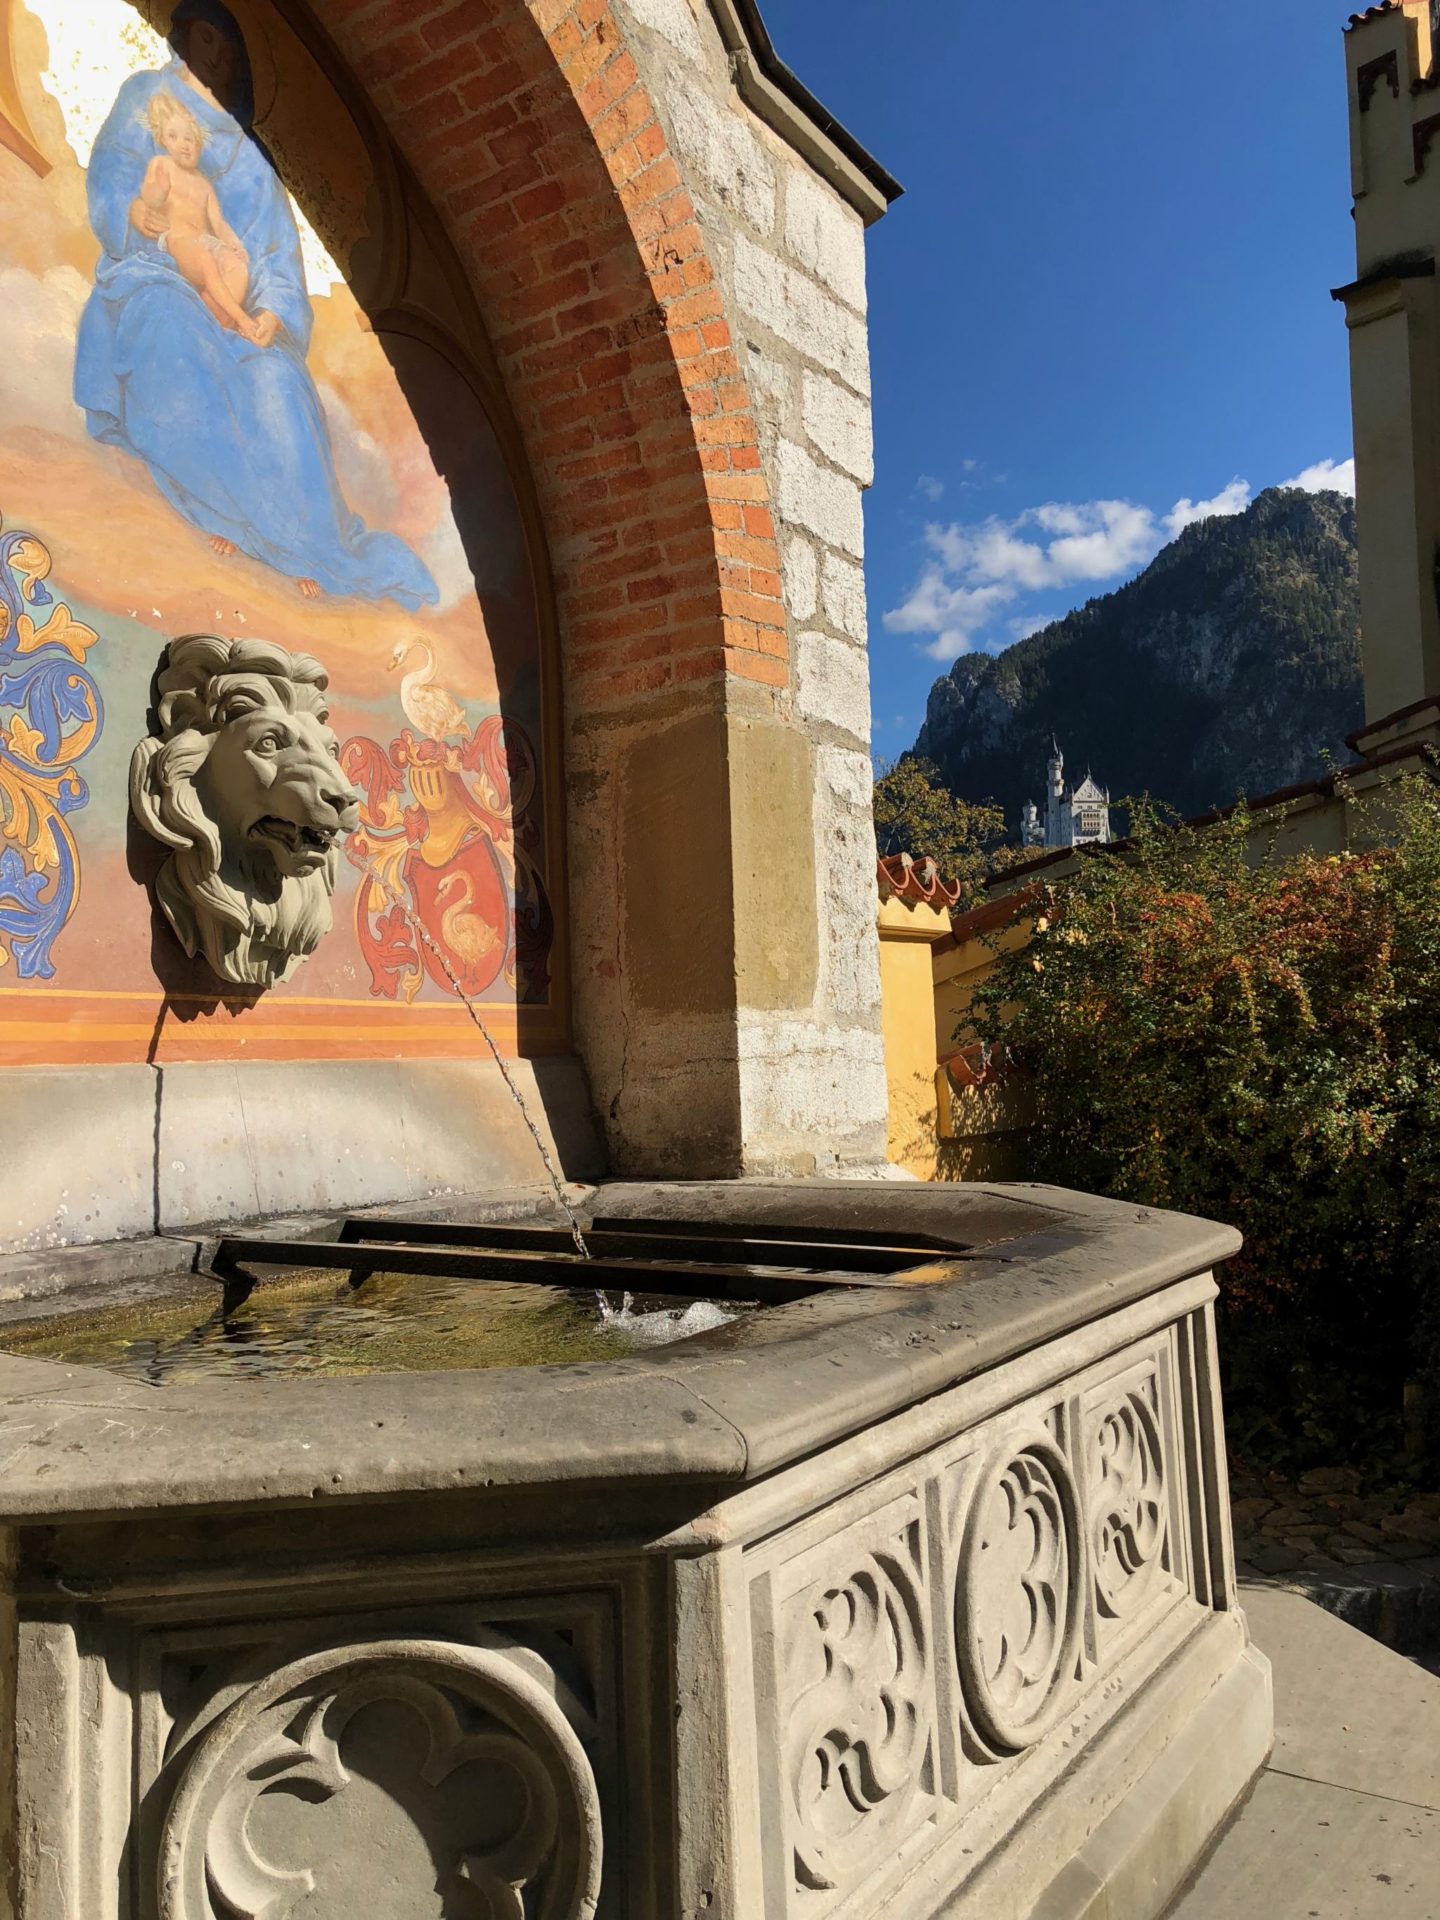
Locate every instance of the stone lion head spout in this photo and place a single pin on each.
(241, 783)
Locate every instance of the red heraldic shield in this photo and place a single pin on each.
(464, 908)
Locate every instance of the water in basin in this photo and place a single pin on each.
(317, 1323)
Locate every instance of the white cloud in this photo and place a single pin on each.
(1326, 476)
(952, 612)
(974, 569)
(1118, 538)
(949, 645)
(1232, 499)
(930, 487)
(1093, 541)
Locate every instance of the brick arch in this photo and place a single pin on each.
(526, 125)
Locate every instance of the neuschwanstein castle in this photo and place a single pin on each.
(1073, 817)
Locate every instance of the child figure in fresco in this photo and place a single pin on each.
(197, 236)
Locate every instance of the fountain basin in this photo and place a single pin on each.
(906, 1599)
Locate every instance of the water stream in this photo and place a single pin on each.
(422, 932)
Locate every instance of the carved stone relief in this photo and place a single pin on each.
(1129, 1496)
(242, 785)
(1127, 1505)
(857, 1717)
(391, 1778)
(1020, 1592)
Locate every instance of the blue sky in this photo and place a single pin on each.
(1103, 301)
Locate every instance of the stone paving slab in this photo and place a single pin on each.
(1347, 1711)
(1304, 1851)
(1344, 1824)
(1397, 1605)
(1332, 1519)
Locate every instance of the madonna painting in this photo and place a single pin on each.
(191, 353)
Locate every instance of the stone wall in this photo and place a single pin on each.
(1393, 314)
(789, 255)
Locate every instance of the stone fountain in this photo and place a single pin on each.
(910, 1595)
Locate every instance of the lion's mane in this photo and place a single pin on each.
(253, 927)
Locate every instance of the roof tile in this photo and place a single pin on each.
(917, 882)
(1373, 13)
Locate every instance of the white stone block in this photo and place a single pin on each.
(771, 380)
(803, 314)
(728, 162)
(825, 236)
(847, 778)
(674, 20)
(820, 499)
(833, 684)
(842, 592)
(797, 1076)
(838, 422)
(800, 576)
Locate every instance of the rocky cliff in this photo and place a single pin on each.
(1232, 664)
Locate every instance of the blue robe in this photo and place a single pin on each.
(234, 435)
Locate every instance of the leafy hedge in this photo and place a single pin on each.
(1257, 1039)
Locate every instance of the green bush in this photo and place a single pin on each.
(1212, 1028)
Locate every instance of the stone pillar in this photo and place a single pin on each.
(1394, 322)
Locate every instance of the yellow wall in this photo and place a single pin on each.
(908, 936)
(940, 1129)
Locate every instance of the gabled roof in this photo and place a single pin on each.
(1088, 791)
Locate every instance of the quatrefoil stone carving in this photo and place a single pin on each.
(401, 1779)
(1019, 1592)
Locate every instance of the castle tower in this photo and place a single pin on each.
(1055, 798)
(1392, 310)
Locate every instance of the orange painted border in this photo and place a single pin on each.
(60, 1028)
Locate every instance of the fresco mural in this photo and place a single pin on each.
(202, 431)
(55, 719)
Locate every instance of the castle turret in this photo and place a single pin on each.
(1055, 798)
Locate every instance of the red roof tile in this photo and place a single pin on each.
(1373, 13)
(916, 881)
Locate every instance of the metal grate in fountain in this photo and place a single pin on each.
(771, 1265)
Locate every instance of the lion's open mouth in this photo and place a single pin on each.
(294, 839)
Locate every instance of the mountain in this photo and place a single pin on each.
(1232, 664)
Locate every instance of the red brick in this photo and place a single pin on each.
(598, 293)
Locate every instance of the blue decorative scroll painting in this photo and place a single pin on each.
(50, 718)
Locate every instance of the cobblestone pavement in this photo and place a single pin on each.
(1330, 1517)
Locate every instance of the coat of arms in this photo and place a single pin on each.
(447, 821)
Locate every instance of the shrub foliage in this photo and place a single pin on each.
(1207, 1026)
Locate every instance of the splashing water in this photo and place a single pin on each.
(422, 932)
(664, 1324)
